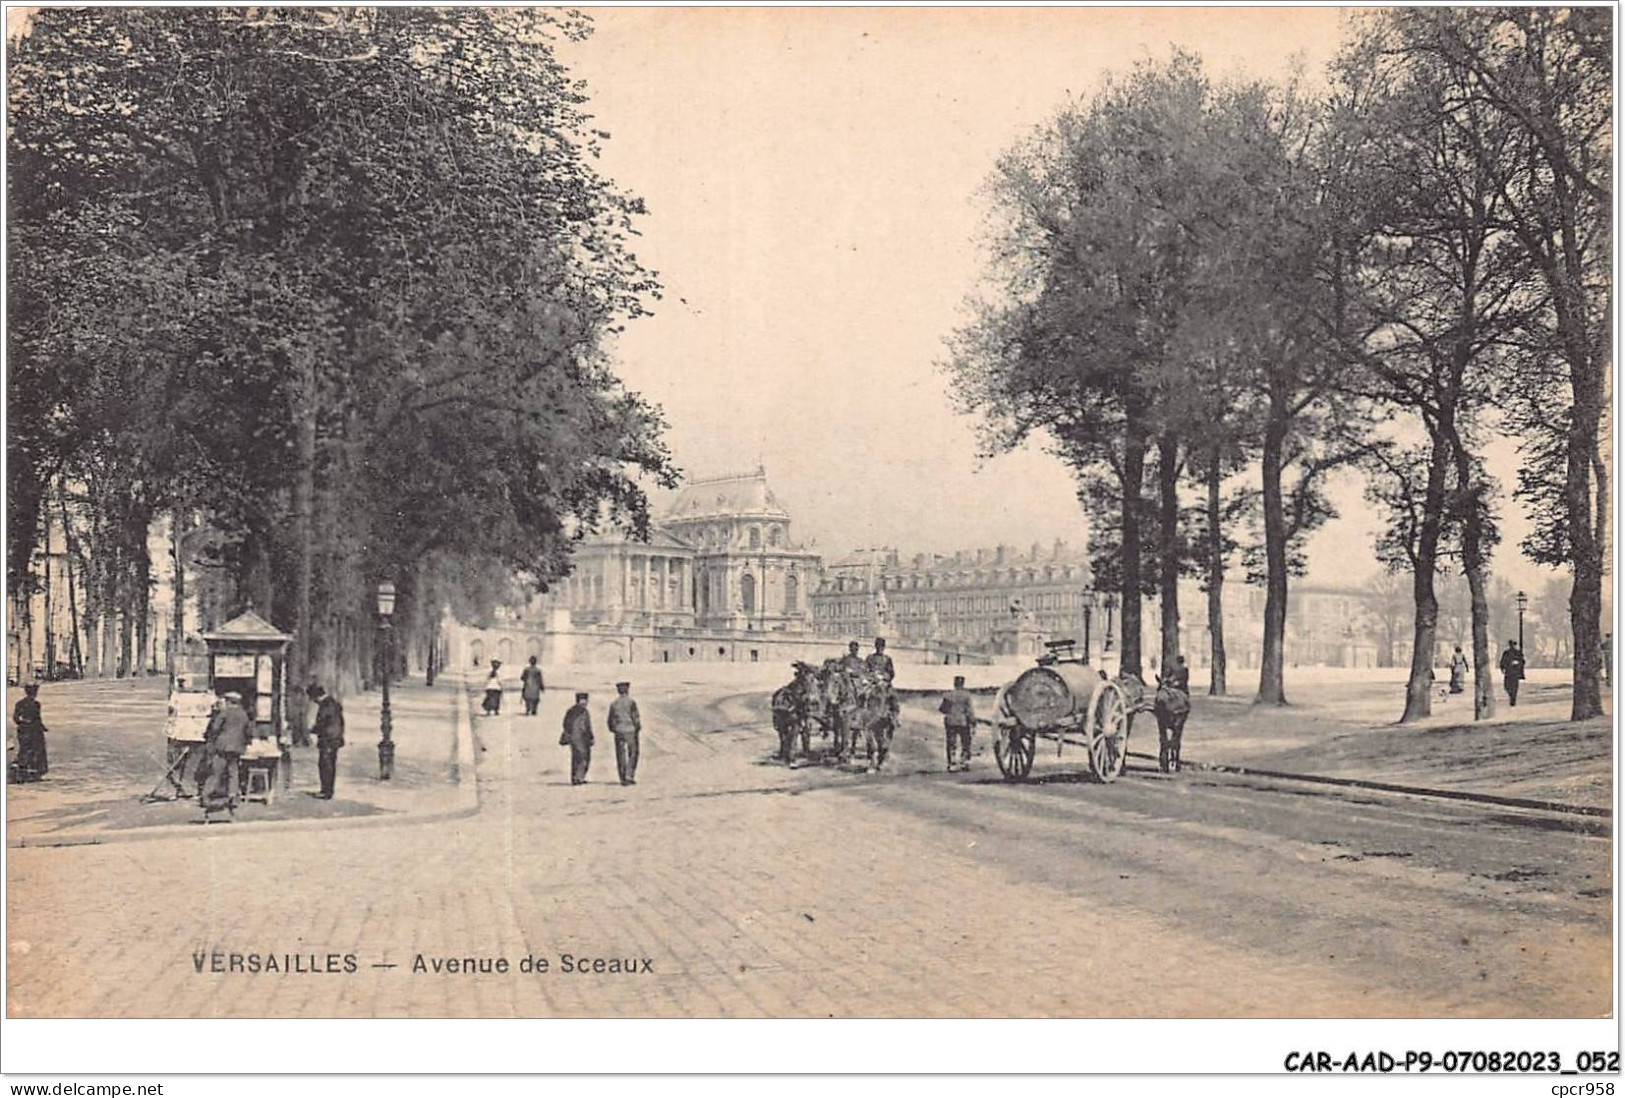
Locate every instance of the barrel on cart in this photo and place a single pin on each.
(1065, 701)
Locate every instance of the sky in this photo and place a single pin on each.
(814, 180)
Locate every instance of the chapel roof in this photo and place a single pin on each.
(737, 494)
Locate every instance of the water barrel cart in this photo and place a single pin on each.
(1066, 701)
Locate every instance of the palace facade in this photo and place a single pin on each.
(961, 600)
(720, 578)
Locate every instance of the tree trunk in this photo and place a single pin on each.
(93, 635)
(1215, 578)
(126, 636)
(1271, 686)
(179, 527)
(1585, 598)
(1424, 636)
(50, 616)
(142, 602)
(1168, 552)
(1134, 445)
(109, 610)
(304, 535)
(76, 659)
(1469, 492)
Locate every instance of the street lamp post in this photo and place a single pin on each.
(386, 721)
(1110, 603)
(1088, 621)
(1523, 603)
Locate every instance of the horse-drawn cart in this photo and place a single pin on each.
(1066, 701)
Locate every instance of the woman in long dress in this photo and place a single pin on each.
(493, 690)
(32, 763)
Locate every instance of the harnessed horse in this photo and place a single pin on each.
(875, 713)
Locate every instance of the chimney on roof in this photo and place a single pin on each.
(1059, 550)
(981, 556)
(1001, 554)
(919, 560)
(1034, 554)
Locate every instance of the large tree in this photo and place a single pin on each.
(346, 245)
(1548, 72)
(1113, 227)
(1450, 293)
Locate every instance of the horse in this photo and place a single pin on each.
(792, 711)
(876, 713)
(839, 697)
(786, 701)
(1172, 707)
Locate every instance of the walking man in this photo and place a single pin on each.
(578, 738)
(624, 725)
(1512, 671)
(329, 729)
(226, 739)
(530, 687)
(1458, 671)
(958, 718)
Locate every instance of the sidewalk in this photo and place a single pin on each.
(106, 745)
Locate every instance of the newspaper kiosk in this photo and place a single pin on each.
(247, 655)
(250, 656)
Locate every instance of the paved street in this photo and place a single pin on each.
(757, 890)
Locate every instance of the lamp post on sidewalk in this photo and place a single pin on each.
(386, 745)
(1111, 605)
(1523, 604)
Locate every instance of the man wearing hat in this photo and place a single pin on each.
(879, 663)
(225, 740)
(329, 729)
(1512, 671)
(578, 738)
(958, 718)
(625, 724)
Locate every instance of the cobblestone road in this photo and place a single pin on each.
(754, 890)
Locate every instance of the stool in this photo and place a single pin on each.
(261, 783)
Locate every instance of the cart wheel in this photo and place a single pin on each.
(1108, 733)
(1015, 759)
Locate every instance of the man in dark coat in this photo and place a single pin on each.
(578, 738)
(531, 687)
(329, 729)
(1512, 671)
(958, 718)
(225, 740)
(31, 759)
(625, 724)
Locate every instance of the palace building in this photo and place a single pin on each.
(720, 578)
(721, 557)
(960, 600)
